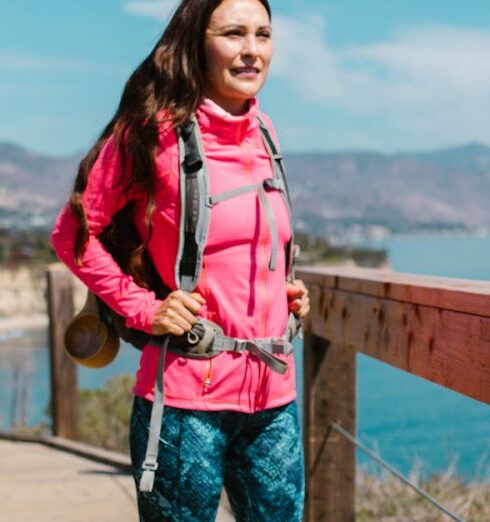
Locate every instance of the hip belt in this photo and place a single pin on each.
(206, 339)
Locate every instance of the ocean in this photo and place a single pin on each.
(411, 423)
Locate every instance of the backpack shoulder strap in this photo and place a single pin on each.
(195, 214)
(276, 157)
(280, 173)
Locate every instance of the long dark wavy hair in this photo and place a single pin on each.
(170, 78)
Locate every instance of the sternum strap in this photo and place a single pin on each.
(269, 184)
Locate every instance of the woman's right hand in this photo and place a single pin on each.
(177, 313)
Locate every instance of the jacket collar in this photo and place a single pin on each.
(226, 127)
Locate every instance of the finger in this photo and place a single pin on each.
(299, 282)
(165, 326)
(180, 295)
(293, 291)
(301, 303)
(179, 321)
(192, 303)
(198, 297)
(181, 311)
(294, 305)
(303, 311)
(175, 330)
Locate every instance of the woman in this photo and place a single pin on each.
(228, 419)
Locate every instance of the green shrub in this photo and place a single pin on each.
(105, 412)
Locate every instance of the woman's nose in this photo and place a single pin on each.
(250, 47)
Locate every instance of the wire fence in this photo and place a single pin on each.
(354, 440)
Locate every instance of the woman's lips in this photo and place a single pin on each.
(249, 72)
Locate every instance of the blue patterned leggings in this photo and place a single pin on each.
(256, 456)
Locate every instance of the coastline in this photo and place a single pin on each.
(17, 325)
(23, 306)
(423, 234)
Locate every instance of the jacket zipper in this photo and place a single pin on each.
(207, 379)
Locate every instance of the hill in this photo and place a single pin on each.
(343, 195)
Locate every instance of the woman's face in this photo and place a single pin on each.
(238, 50)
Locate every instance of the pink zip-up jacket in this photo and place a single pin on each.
(242, 295)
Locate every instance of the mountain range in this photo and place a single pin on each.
(341, 195)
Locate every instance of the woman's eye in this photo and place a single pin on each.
(264, 35)
(233, 32)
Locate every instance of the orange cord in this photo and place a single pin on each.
(207, 380)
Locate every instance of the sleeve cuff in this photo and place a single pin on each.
(145, 321)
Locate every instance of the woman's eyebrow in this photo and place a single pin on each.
(241, 26)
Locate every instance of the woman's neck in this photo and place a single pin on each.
(234, 107)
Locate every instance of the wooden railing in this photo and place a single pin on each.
(436, 328)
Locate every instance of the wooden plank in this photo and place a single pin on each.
(329, 395)
(448, 348)
(64, 381)
(458, 295)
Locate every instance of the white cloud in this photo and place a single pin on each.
(302, 58)
(425, 82)
(425, 58)
(159, 9)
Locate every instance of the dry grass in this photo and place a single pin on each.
(384, 498)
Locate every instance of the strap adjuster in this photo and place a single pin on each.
(192, 163)
(150, 466)
(272, 184)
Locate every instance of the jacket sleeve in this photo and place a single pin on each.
(102, 198)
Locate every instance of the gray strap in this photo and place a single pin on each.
(223, 343)
(272, 184)
(150, 464)
(264, 349)
(214, 200)
(272, 227)
(293, 328)
(274, 363)
(280, 173)
(195, 192)
(276, 160)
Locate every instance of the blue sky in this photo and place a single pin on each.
(381, 75)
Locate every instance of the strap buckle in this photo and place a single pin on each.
(150, 466)
(272, 184)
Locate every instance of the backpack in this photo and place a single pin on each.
(121, 237)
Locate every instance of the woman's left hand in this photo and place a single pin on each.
(298, 300)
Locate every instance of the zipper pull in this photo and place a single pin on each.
(207, 380)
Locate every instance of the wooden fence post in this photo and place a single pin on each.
(64, 381)
(329, 395)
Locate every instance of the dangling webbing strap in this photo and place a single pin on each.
(150, 464)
